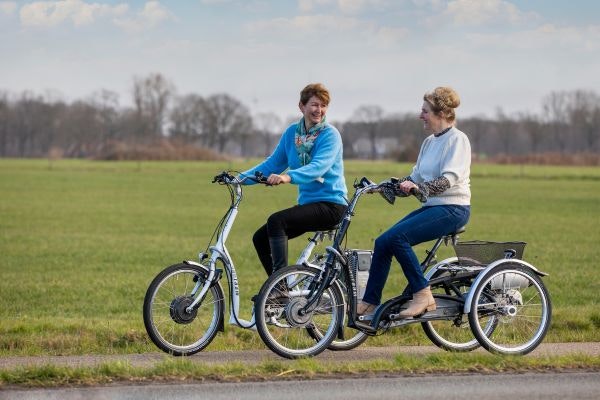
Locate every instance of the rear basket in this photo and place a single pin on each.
(479, 252)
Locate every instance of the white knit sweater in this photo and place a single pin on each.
(448, 155)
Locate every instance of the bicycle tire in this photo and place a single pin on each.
(522, 305)
(453, 335)
(346, 338)
(282, 328)
(170, 328)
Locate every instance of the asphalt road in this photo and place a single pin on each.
(546, 386)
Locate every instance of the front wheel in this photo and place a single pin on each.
(280, 318)
(517, 298)
(170, 326)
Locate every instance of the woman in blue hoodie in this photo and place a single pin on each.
(309, 154)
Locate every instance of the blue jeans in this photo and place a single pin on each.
(422, 225)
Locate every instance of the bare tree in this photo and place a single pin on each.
(82, 130)
(5, 114)
(535, 129)
(106, 103)
(584, 116)
(556, 114)
(268, 126)
(369, 116)
(187, 119)
(227, 119)
(34, 123)
(151, 96)
(506, 131)
(476, 129)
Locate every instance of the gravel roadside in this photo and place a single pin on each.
(246, 357)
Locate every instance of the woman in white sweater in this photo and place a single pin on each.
(441, 177)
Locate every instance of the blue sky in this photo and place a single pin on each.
(496, 53)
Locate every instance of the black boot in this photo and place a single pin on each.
(261, 244)
(279, 251)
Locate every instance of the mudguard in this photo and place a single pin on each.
(488, 270)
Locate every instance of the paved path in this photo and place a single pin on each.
(362, 353)
(545, 386)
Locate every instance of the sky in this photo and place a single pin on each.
(498, 54)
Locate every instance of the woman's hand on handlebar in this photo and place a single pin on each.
(275, 179)
(408, 187)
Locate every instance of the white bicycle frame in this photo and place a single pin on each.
(219, 252)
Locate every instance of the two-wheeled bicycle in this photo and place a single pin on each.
(184, 305)
(500, 298)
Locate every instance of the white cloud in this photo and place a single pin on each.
(344, 6)
(317, 24)
(154, 13)
(309, 5)
(52, 13)
(151, 15)
(388, 36)
(357, 6)
(7, 7)
(347, 31)
(210, 2)
(547, 37)
(481, 12)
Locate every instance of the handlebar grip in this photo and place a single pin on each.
(419, 195)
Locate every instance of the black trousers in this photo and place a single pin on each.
(293, 222)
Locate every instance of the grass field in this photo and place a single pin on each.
(81, 240)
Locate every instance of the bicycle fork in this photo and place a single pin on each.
(324, 280)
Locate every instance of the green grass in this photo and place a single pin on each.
(185, 370)
(80, 241)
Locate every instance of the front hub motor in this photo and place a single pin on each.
(178, 310)
(294, 317)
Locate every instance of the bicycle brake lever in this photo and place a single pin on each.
(419, 195)
(261, 178)
(219, 177)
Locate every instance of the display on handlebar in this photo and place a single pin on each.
(363, 183)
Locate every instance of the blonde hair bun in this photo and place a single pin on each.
(445, 97)
(443, 100)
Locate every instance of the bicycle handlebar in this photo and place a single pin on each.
(387, 189)
(226, 178)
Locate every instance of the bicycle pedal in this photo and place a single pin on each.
(364, 327)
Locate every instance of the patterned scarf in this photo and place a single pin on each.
(305, 140)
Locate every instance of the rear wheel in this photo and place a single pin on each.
(171, 327)
(454, 334)
(517, 298)
(280, 319)
(346, 338)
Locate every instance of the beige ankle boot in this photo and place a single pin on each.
(422, 301)
(365, 308)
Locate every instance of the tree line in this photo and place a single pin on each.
(98, 127)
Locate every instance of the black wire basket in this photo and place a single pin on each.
(479, 252)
